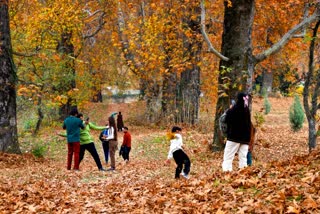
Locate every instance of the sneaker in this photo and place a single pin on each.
(186, 176)
(102, 170)
(111, 169)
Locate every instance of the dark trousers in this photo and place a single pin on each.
(92, 149)
(73, 148)
(181, 159)
(105, 146)
(125, 152)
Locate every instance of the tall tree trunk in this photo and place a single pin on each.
(169, 102)
(267, 80)
(8, 114)
(189, 86)
(312, 81)
(237, 46)
(40, 115)
(66, 47)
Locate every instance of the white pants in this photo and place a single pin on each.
(229, 152)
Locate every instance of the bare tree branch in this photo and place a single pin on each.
(304, 29)
(99, 27)
(284, 40)
(205, 36)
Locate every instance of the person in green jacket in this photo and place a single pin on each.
(86, 141)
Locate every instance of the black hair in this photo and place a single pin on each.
(126, 128)
(74, 112)
(80, 115)
(240, 100)
(175, 129)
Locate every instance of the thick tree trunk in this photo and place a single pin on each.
(237, 46)
(153, 98)
(8, 117)
(189, 87)
(169, 102)
(66, 47)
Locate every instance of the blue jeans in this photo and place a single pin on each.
(249, 159)
(105, 146)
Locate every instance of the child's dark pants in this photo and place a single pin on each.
(181, 159)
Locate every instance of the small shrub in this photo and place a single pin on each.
(39, 150)
(28, 124)
(296, 115)
(259, 119)
(267, 105)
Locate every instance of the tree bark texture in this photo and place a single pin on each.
(237, 46)
(66, 47)
(8, 118)
(312, 83)
(189, 86)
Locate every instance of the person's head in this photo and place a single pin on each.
(176, 129)
(74, 112)
(125, 129)
(80, 115)
(112, 122)
(242, 100)
(119, 112)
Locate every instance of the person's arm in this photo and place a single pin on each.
(82, 124)
(62, 134)
(93, 126)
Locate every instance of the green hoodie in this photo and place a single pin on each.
(85, 137)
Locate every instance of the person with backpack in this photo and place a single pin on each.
(105, 143)
(238, 120)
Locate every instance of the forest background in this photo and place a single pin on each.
(69, 53)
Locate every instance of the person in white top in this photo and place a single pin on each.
(176, 151)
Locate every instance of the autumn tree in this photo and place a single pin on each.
(311, 91)
(57, 70)
(162, 45)
(237, 54)
(8, 118)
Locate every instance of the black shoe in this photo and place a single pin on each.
(102, 170)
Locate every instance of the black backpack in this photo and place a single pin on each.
(223, 124)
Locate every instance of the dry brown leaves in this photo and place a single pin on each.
(284, 179)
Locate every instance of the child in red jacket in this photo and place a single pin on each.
(126, 144)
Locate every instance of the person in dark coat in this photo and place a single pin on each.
(239, 124)
(119, 122)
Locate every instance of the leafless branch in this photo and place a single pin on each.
(284, 40)
(205, 36)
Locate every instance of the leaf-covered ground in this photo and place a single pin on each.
(284, 178)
